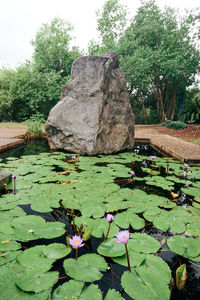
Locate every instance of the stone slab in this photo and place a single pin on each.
(182, 150)
(6, 144)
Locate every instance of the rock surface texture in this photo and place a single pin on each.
(94, 115)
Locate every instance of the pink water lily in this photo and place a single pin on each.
(132, 173)
(153, 156)
(73, 157)
(123, 237)
(109, 218)
(76, 242)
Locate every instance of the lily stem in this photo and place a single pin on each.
(107, 231)
(128, 261)
(76, 253)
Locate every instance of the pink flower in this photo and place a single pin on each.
(132, 173)
(76, 242)
(5, 184)
(109, 218)
(73, 157)
(152, 156)
(123, 237)
(13, 176)
(186, 166)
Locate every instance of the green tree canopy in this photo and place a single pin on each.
(158, 55)
(111, 24)
(52, 50)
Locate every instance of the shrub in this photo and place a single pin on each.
(176, 125)
(35, 129)
(165, 123)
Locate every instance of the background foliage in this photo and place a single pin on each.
(157, 50)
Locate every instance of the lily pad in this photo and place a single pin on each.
(87, 267)
(141, 242)
(34, 227)
(111, 249)
(184, 246)
(37, 279)
(142, 282)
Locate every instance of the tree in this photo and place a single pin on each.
(6, 77)
(34, 92)
(36, 86)
(52, 48)
(111, 23)
(158, 56)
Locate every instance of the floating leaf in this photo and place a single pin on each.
(34, 227)
(86, 268)
(43, 254)
(141, 242)
(136, 259)
(68, 290)
(187, 247)
(142, 282)
(37, 279)
(113, 295)
(111, 249)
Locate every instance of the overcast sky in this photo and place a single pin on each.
(21, 19)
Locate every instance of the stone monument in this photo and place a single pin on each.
(94, 115)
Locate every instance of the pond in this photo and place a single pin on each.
(55, 196)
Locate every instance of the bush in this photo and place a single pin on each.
(35, 129)
(190, 112)
(165, 123)
(175, 125)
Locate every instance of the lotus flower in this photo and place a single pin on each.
(76, 242)
(132, 173)
(123, 237)
(109, 218)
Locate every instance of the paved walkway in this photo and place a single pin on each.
(184, 151)
(10, 138)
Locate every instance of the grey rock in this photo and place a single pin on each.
(94, 114)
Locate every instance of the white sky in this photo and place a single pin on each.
(21, 19)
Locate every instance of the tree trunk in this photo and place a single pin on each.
(160, 105)
(170, 109)
(144, 109)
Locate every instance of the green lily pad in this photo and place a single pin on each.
(69, 290)
(34, 227)
(8, 256)
(43, 254)
(111, 249)
(135, 259)
(37, 279)
(142, 282)
(113, 295)
(141, 242)
(187, 247)
(87, 267)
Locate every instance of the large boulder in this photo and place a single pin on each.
(94, 114)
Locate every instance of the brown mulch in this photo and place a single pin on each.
(190, 134)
